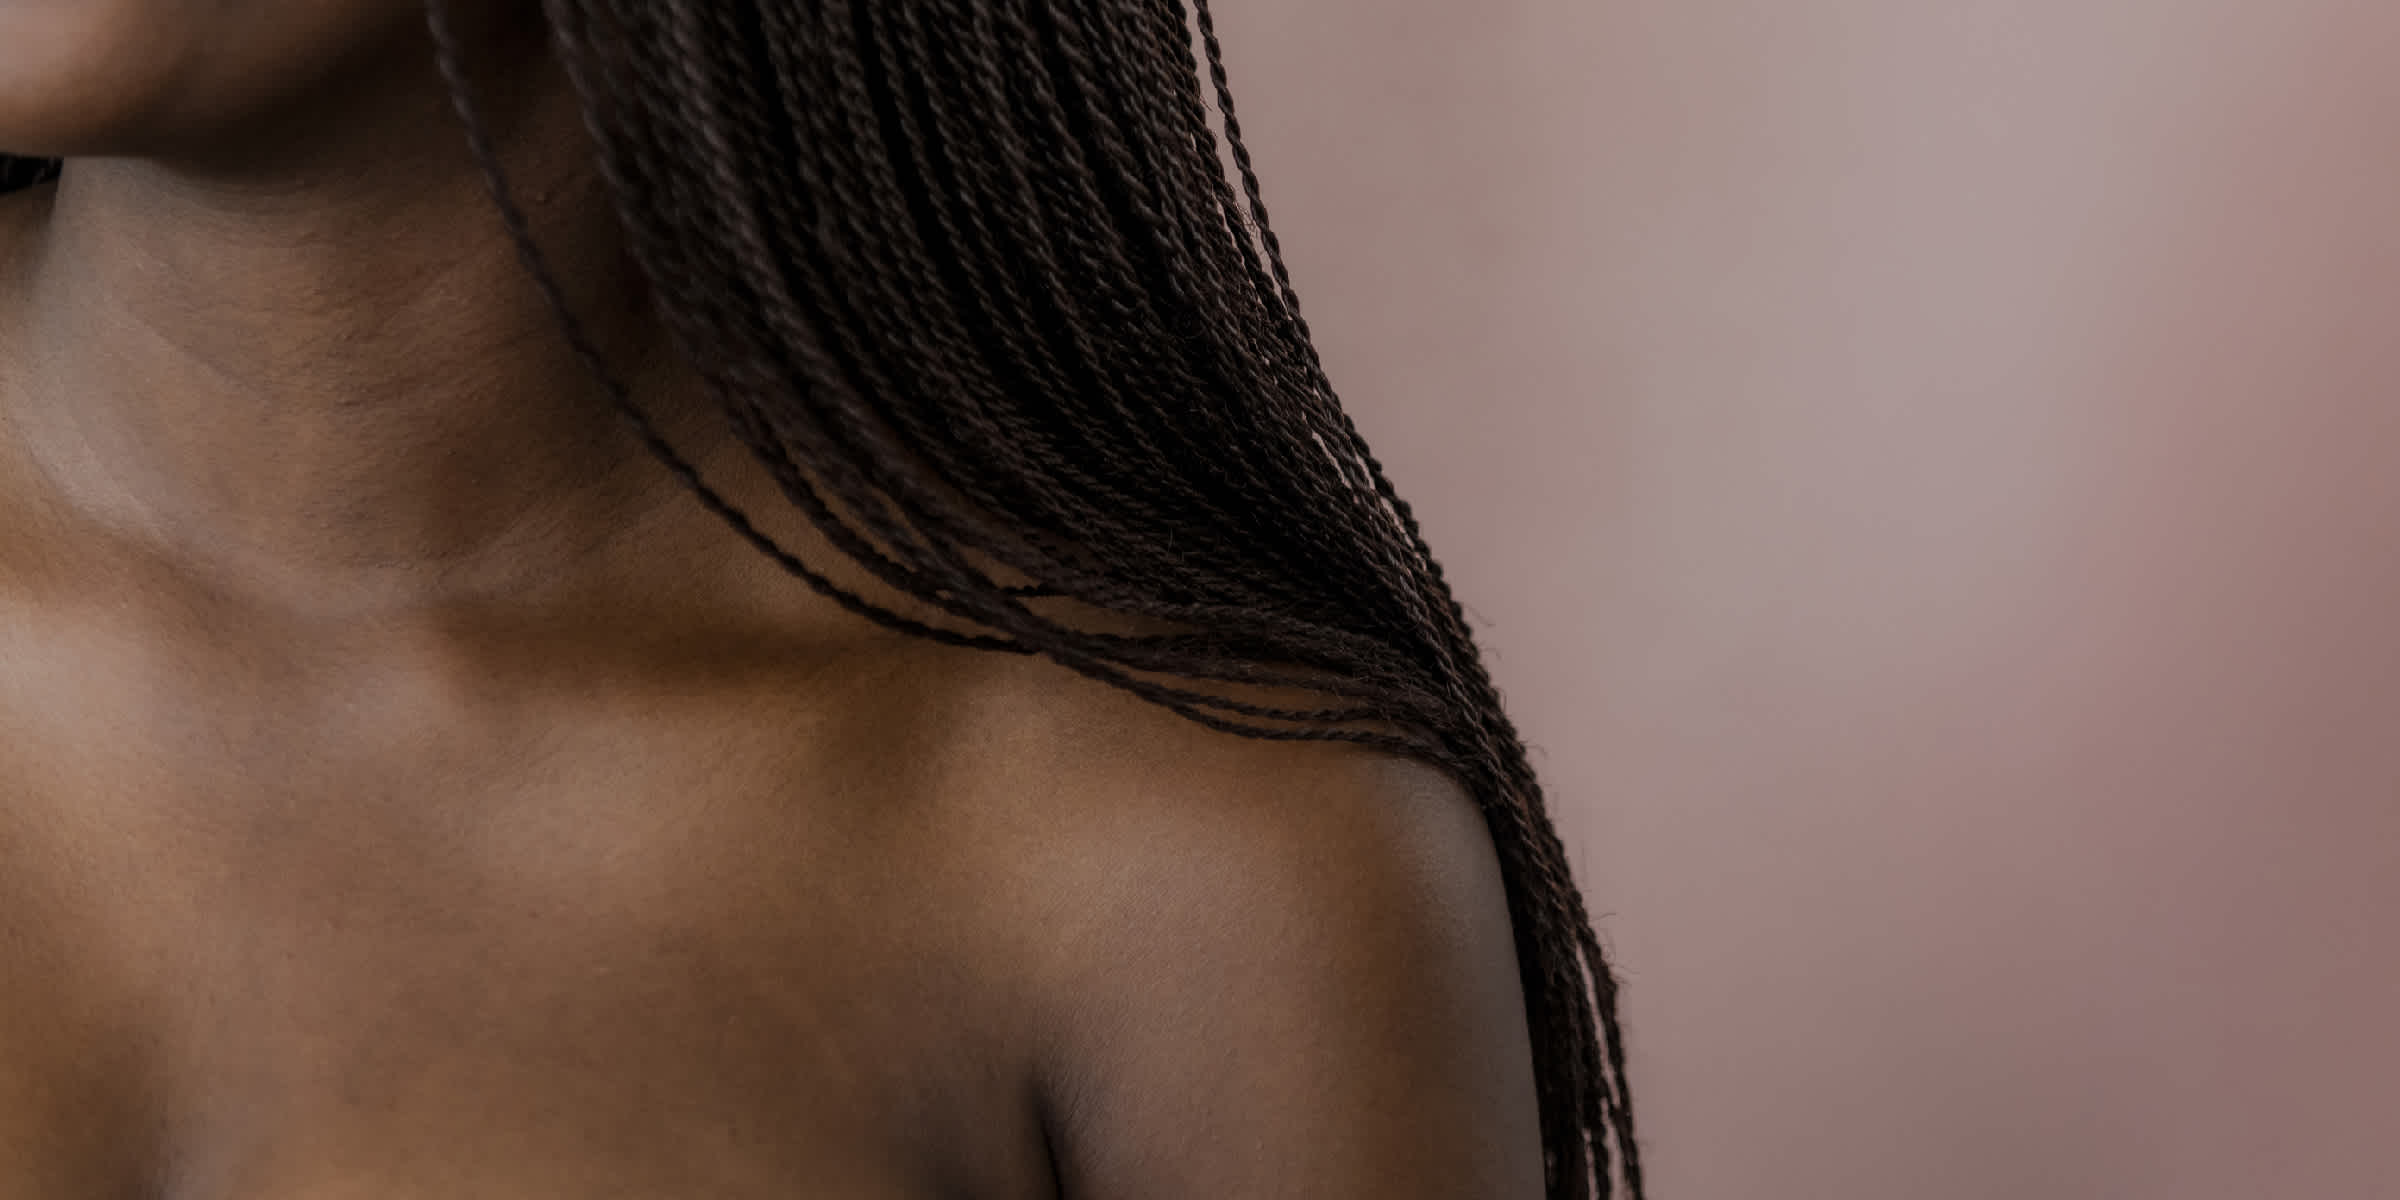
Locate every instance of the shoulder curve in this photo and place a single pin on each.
(1233, 942)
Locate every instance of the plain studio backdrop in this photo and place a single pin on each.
(1929, 476)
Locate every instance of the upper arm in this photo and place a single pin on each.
(1300, 986)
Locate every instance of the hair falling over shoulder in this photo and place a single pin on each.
(971, 281)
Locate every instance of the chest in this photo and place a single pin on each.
(525, 982)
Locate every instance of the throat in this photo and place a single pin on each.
(311, 394)
(315, 366)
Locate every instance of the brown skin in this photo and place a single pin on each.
(408, 790)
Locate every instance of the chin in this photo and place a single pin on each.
(144, 78)
(76, 75)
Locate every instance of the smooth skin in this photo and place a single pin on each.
(406, 789)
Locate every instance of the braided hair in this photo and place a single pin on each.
(972, 282)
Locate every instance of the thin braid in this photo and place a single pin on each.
(1237, 671)
(1606, 1107)
(581, 342)
(967, 279)
(1188, 703)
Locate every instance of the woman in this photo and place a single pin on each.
(411, 791)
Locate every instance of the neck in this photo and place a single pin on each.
(331, 369)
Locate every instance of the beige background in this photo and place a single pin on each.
(1930, 473)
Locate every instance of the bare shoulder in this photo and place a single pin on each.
(1112, 797)
(1259, 968)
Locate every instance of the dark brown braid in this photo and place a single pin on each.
(969, 279)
